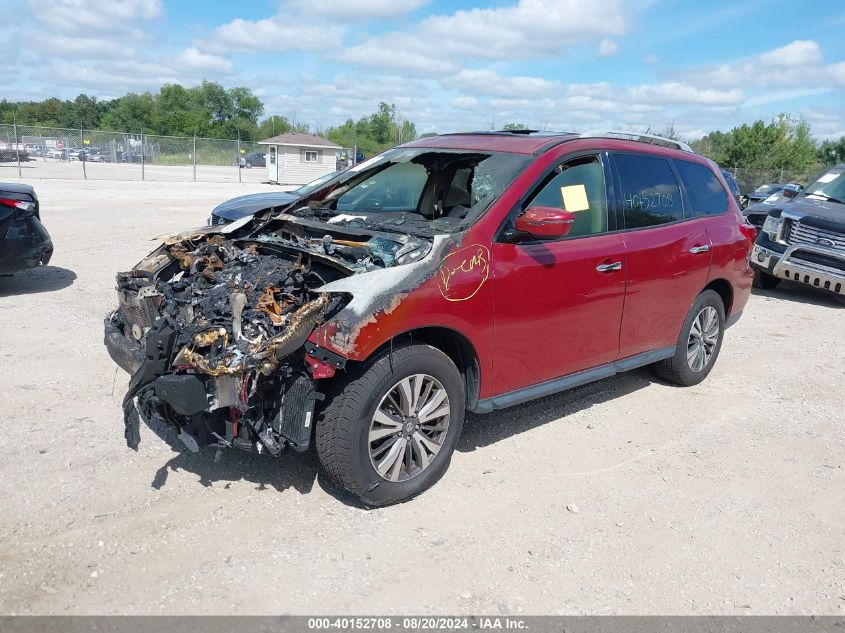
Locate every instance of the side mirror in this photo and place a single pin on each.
(545, 223)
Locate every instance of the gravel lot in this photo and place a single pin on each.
(625, 496)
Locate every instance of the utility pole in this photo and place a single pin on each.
(142, 156)
(17, 145)
(82, 151)
(194, 155)
(238, 156)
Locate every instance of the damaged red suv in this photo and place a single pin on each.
(461, 272)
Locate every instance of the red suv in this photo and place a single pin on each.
(461, 272)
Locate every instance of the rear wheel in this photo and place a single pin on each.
(389, 434)
(765, 281)
(698, 344)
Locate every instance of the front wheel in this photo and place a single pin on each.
(389, 434)
(698, 344)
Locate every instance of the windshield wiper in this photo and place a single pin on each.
(826, 197)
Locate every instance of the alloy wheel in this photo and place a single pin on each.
(703, 337)
(409, 427)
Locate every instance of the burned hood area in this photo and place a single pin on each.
(213, 328)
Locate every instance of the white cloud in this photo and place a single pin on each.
(70, 47)
(793, 66)
(525, 30)
(682, 93)
(608, 48)
(465, 103)
(796, 53)
(86, 18)
(489, 82)
(354, 10)
(271, 34)
(194, 59)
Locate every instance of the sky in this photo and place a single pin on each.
(451, 64)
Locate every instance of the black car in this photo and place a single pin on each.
(24, 242)
(242, 206)
(253, 159)
(803, 238)
(757, 213)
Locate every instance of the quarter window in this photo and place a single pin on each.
(578, 187)
(650, 193)
(705, 192)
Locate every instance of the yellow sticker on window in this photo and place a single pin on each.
(575, 198)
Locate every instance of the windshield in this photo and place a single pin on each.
(830, 186)
(304, 190)
(426, 191)
(768, 189)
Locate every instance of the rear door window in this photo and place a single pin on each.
(705, 193)
(649, 191)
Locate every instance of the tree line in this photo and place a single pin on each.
(207, 110)
(210, 110)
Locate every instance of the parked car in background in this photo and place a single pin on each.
(803, 237)
(24, 242)
(755, 214)
(10, 153)
(92, 155)
(253, 203)
(59, 154)
(470, 271)
(253, 159)
(763, 191)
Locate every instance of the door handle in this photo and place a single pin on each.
(695, 250)
(607, 268)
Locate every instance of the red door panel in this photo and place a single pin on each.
(555, 314)
(664, 278)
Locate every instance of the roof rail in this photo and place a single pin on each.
(639, 136)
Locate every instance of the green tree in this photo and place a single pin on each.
(375, 133)
(131, 113)
(514, 127)
(84, 111)
(831, 152)
(784, 143)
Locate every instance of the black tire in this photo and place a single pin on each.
(764, 281)
(249, 165)
(676, 369)
(342, 430)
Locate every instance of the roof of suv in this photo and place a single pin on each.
(517, 142)
(534, 142)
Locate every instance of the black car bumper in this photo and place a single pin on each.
(809, 264)
(27, 244)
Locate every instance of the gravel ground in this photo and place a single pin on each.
(625, 496)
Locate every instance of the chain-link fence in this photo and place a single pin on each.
(45, 152)
(749, 179)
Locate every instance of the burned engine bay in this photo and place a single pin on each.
(213, 328)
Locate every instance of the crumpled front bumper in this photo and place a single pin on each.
(126, 354)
